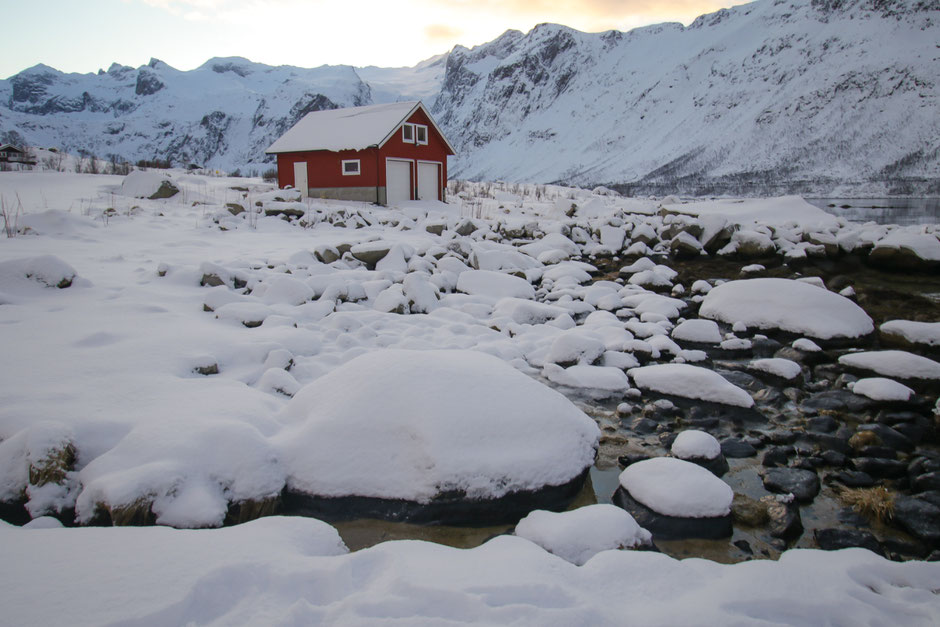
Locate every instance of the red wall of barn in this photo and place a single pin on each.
(435, 150)
(324, 168)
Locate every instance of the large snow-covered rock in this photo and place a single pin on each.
(675, 487)
(152, 184)
(892, 363)
(690, 381)
(494, 284)
(412, 425)
(788, 305)
(580, 534)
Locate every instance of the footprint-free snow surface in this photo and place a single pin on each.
(180, 361)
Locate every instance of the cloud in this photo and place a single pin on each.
(441, 32)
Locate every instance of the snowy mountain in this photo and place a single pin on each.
(832, 97)
(222, 114)
(771, 96)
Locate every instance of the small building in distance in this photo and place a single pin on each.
(11, 154)
(385, 153)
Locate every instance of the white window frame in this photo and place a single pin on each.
(411, 128)
(417, 137)
(358, 167)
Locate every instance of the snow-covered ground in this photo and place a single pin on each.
(151, 350)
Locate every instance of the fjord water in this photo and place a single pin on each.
(901, 211)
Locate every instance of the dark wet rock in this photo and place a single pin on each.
(718, 240)
(918, 517)
(924, 464)
(777, 456)
(743, 380)
(807, 463)
(737, 449)
(785, 522)
(718, 466)
(748, 511)
(833, 458)
(833, 539)
(836, 400)
(803, 484)
(768, 395)
(744, 545)
(207, 370)
(765, 346)
(807, 358)
(452, 508)
(644, 426)
(926, 481)
(780, 436)
(879, 467)
(900, 258)
(829, 442)
(211, 280)
(897, 549)
(822, 424)
(854, 479)
(673, 527)
(466, 228)
(631, 458)
(889, 437)
(883, 452)
(931, 496)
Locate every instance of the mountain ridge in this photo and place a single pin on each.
(818, 97)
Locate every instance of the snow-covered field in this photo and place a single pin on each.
(171, 360)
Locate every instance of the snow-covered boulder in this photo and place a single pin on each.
(20, 276)
(688, 381)
(787, 305)
(904, 249)
(152, 184)
(882, 389)
(909, 333)
(438, 429)
(494, 284)
(700, 448)
(776, 368)
(580, 534)
(894, 363)
(674, 498)
(697, 331)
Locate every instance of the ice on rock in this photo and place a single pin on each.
(494, 284)
(893, 363)
(675, 487)
(580, 534)
(690, 381)
(431, 422)
(693, 443)
(787, 305)
(882, 389)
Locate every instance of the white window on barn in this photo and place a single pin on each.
(421, 134)
(350, 167)
(408, 133)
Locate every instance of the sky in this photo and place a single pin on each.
(85, 35)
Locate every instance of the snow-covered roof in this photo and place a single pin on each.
(353, 128)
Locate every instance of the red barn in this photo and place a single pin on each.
(382, 153)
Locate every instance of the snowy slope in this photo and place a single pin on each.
(832, 97)
(222, 114)
(740, 100)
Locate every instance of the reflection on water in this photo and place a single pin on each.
(902, 211)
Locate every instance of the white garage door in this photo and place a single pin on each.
(397, 181)
(300, 177)
(428, 181)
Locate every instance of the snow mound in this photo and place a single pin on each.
(606, 378)
(693, 443)
(18, 275)
(690, 382)
(495, 284)
(697, 330)
(927, 333)
(431, 422)
(900, 364)
(787, 305)
(580, 534)
(771, 211)
(777, 366)
(674, 487)
(148, 184)
(881, 389)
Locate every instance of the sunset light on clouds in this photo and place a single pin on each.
(82, 37)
